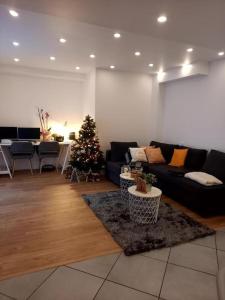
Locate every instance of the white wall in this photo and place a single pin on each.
(23, 90)
(123, 107)
(193, 110)
(89, 94)
(21, 95)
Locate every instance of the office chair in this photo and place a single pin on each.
(48, 150)
(21, 150)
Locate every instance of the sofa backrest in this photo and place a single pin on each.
(195, 158)
(167, 149)
(215, 164)
(118, 150)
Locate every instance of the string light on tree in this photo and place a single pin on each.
(86, 153)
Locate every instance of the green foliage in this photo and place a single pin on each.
(149, 178)
(86, 153)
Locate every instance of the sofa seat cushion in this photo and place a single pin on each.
(182, 183)
(118, 150)
(167, 149)
(215, 164)
(166, 173)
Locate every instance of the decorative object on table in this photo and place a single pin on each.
(149, 179)
(72, 136)
(135, 173)
(125, 169)
(45, 129)
(173, 226)
(141, 185)
(144, 206)
(125, 182)
(59, 138)
(86, 154)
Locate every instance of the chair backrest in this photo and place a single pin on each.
(21, 148)
(48, 147)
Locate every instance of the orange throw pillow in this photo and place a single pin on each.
(154, 155)
(179, 156)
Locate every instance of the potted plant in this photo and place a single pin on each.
(150, 179)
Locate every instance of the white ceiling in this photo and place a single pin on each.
(88, 26)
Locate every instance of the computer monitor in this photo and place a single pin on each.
(9, 133)
(28, 133)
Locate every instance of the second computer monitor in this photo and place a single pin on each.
(28, 133)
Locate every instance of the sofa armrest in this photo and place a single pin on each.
(108, 155)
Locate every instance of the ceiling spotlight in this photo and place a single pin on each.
(112, 67)
(137, 53)
(16, 44)
(117, 35)
(190, 50)
(62, 40)
(52, 58)
(13, 13)
(221, 53)
(16, 59)
(77, 68)
(151, 65)
(92, 56)
(162, 19)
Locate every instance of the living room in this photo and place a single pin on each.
(127, 202)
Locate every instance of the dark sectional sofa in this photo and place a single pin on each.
(205, 200)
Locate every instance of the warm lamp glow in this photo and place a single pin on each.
(60, 129)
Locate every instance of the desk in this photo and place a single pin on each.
(7, 171)
(64, 146)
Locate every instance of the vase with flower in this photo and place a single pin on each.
(45, 129)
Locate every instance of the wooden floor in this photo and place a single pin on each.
(44, 223)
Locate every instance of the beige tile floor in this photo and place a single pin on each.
(184, 272)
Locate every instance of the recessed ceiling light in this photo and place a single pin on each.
(13, 13)
(117, 35)
(92, 56)
(162, 19)
(77, 68)
(112, 67)
(52, 57)
(16, 59)
(137, 53)
(62, 40)
(151, 65)
(190, 50)
(221, 53)
(16, 44)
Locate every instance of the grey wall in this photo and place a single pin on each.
(193, 110)
(123, 107)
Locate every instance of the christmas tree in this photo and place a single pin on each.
(86, 154)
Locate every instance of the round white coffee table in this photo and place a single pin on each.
(144, 207)
(125, 182)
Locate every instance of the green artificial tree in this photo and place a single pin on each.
(86, 154)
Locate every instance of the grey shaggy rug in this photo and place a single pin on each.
(173, 227)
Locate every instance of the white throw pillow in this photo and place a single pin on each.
(203, 178)
(138, 154)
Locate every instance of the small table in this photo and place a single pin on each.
(125, 182)
(144, 207)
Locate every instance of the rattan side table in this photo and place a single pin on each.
(144, 207)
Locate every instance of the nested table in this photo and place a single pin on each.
(144, 207)
(125, 182)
